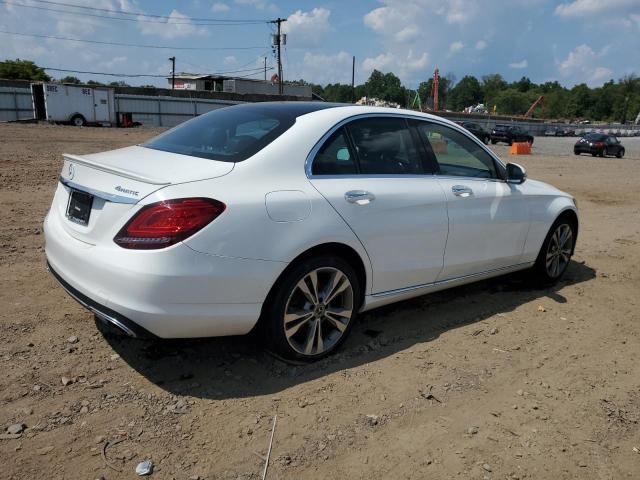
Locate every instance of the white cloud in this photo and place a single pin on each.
(455, 47)
(581, 8)
(307, 28)
(230, 60)
(401, 65)
(322, 68)
(407, 33)
(177, 25)
(518, 65)
(220, 7)
(259, 4)
(582, 65)
(481, 45)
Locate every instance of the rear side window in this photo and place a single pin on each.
(456, 154)
(384, 146)
(335, 157)
(228, 134)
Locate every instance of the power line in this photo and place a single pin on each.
(138, 75)
(118, 44)
(150, 15)
(167, 21)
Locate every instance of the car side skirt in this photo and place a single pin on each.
(384, 298)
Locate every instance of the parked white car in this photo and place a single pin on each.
(293, 218)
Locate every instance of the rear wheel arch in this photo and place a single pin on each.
(340, 250)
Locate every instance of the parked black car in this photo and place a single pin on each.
(477, 130)
(559, 132)
(508, 135)
(599, 144)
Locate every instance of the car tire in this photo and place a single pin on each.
(556, 251)
(300, 321)
(620, 153)
(601, 153)
(530, 141)
(576, 152)
(78, 121)
(493, 142)
(486, 140)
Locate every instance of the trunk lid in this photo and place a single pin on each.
(116, 181)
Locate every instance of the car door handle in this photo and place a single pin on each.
(359, 197)
(461, 191)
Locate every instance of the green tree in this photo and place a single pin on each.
(467, 92)
(22, 70)
(385, 86)
(512, 102)
(70, 79)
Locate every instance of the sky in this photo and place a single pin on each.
(571, 41)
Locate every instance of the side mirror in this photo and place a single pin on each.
(516, 174)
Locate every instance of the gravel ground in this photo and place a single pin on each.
(563, 147)
(493, 380)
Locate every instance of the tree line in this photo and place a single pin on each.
(617, 101)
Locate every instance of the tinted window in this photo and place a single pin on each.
(456, 154)
(233, 134)
(384, 146)
(334, 157)
(595, 137)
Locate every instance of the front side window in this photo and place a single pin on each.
(334, 157)
(384, 146)
(456, 154)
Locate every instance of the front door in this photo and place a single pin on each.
(488, 218)
(373, 177)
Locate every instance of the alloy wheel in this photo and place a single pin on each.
(559, 250)
(318, 311)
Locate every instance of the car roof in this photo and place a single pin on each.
(294, 108)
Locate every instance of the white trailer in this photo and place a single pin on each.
(78, 105)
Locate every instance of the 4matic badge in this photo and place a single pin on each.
(127, 191)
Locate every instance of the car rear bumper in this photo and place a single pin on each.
(170, 293)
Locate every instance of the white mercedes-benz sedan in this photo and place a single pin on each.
(292, 218)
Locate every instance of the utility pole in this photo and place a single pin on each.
(173, 72)
(353, 80)
(265, 69)
(278, 39)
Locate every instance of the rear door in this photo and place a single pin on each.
(101, 105)
(373, 176)
(488, 218)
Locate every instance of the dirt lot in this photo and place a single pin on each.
(493, 380)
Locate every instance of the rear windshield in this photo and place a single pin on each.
(229, 134)
(595, 136)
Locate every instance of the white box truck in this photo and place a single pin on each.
(78, 105)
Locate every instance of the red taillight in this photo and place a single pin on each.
(164, 223)
(599, 144)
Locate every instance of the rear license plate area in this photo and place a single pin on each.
(79, 208)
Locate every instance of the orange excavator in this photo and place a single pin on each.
(538, 103)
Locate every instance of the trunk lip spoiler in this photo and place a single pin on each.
(110, 197)
(119, 171)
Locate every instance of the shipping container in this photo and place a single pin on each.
(78, 105)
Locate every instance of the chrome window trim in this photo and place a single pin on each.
(110, 197)
(308, 164)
